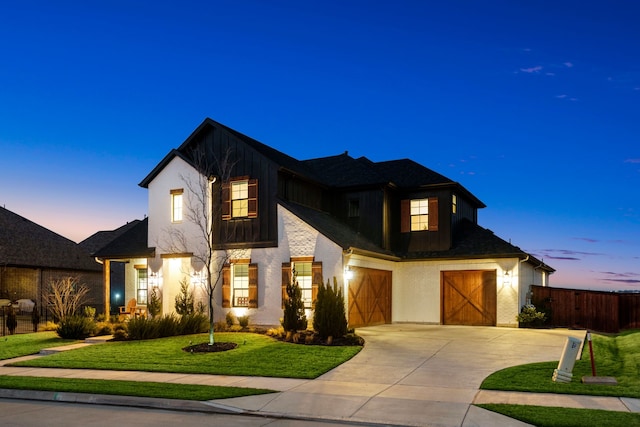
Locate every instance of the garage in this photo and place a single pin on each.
(369, 297)
(469, 297)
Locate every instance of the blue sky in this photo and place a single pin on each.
(531, 105)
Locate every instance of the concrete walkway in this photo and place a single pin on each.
(410, 375)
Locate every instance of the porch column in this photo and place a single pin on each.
(106, 270)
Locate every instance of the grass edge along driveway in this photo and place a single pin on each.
(256, 355)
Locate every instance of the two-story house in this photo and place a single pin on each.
(401, 240)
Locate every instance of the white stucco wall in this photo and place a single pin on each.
(175, 175)
(295, 239)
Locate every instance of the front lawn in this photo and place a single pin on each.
(127, 388)
(256, 355)
(565, 417)
(616, 356)
(25, 344)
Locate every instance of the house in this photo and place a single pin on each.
(401, 240)
(32, 256)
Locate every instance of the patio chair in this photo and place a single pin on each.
(129, 310)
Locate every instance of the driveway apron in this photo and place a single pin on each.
(414, 375)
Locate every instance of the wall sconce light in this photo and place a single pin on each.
(506, 279)
(348, 273)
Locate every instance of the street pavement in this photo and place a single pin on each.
(406, 375)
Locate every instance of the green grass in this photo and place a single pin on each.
(25, 344)
(565, 417)
(616, 356)
(256, 355)
(127, 388)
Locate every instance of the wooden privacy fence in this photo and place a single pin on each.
(593, 310)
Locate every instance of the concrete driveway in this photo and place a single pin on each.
(415, 375)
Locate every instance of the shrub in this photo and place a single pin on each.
(140, 328)
(294, 317)
(329, 317)
(530, 316)
(120, 333)
(184, 300)
(154, 305)
(50, 326)
(230, 318)
(196, 323)
(66, 296)
(244, 321)
(89, 312)
(76, 327)
(104, 328)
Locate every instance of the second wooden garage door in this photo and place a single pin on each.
(369, 297)
(469, 297)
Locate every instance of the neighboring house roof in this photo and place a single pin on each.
(132, 243)
(24, 243)
(102, 238)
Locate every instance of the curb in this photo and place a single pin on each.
(116, 400)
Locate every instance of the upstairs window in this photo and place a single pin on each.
(454, 203)
(240, 199)
(419, 215)
(176, 205)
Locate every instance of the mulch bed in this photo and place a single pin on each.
(206, 348)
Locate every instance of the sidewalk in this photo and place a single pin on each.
(410, 375)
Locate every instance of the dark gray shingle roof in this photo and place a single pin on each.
(102, 238)
(24, 243)
(132, 243)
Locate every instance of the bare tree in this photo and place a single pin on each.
(202, 209)
(66, 296)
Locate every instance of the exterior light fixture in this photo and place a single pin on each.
(348, 273)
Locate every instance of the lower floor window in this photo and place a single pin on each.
(303, 275)
(240, 286)
(142, 285)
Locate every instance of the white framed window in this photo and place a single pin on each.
(142, 285)
(240, 285)
(239, 199)
(419, 215)
(304, 276)
(177, 205)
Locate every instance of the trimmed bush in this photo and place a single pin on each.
(76, 327)
(294, 317)
(243, 321)
(184, 300)
(169, 325)
(196, 323)
(329, 317)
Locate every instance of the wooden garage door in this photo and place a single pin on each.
(469, 298)
(369, 297)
